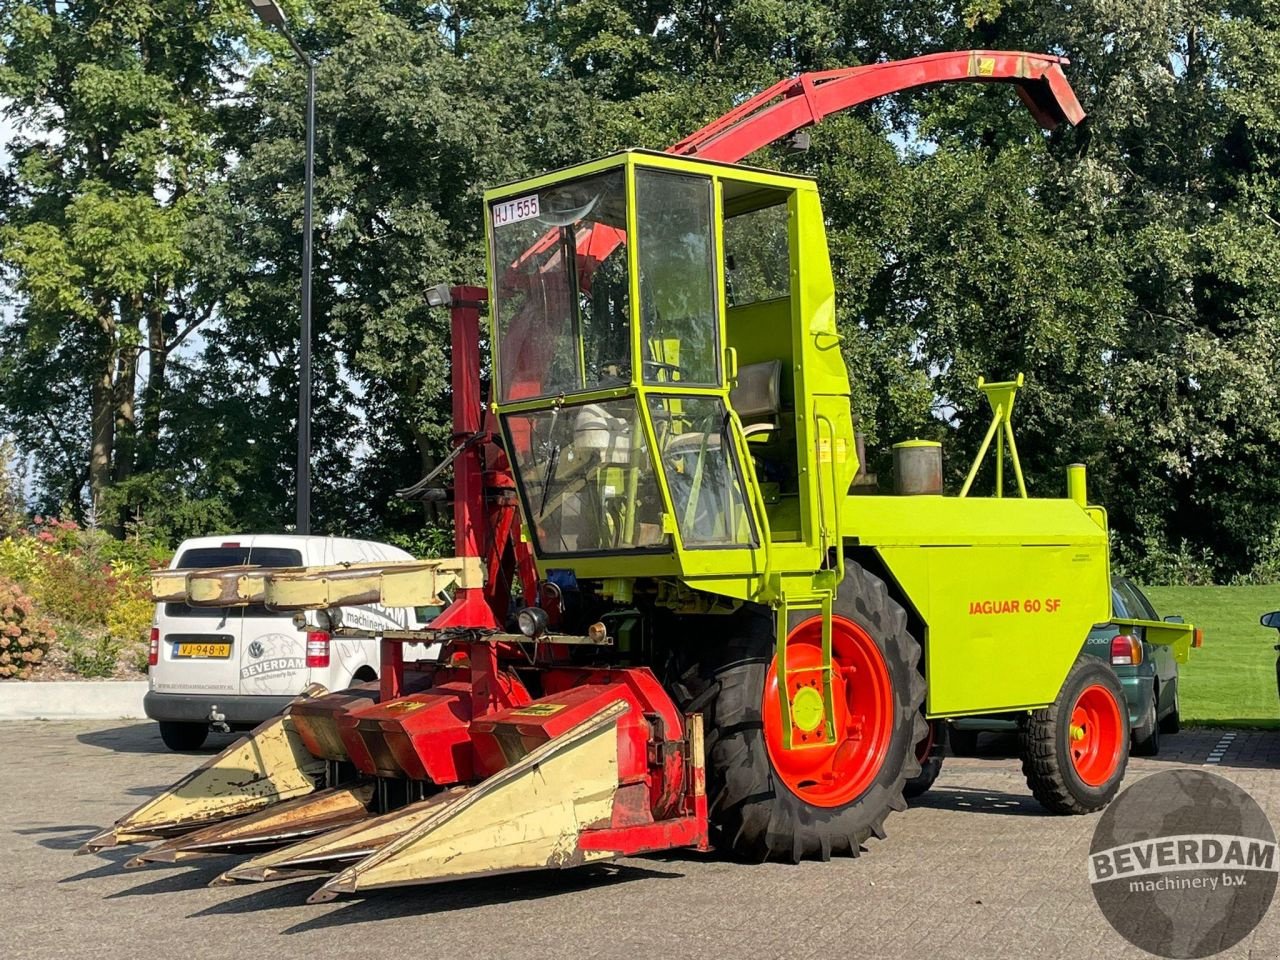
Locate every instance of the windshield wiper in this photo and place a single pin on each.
(552, 459)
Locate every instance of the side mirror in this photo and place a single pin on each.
(1174, 620)
(1271, 619)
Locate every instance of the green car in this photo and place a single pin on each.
(1148, 673)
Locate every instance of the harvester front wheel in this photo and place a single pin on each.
(769, 802)
(1075, 751)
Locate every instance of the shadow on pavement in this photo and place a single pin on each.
(994, 744)
(437, 898)
(968, 800)
(80, 832)
(179, 877)
(144, 737)
(114, 864)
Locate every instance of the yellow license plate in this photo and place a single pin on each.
(207, 650)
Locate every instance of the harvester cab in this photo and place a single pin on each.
(671, 624)
(669, 379)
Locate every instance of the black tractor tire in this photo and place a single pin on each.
(930, 762)
(1146, 737)
(183, 737)
(964, 743)
(754, 815)
(1045, 744)
(1171, 722)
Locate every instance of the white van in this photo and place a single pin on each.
(232, 668)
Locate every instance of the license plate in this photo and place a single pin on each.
(216, 651)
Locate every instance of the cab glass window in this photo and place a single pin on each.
(562, 288)
(676, 257)
(757, 256)
(695, 448)
(587, 478)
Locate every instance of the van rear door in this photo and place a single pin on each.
(200, 645)
(272, 654)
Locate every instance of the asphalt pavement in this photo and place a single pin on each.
(974, 870)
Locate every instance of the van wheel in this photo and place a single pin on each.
(183, 736)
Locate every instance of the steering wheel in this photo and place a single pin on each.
(658, 366)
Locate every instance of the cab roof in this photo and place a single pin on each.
(653, 159)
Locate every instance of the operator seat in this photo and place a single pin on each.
(756, 398)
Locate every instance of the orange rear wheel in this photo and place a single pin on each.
(830, 792)
(1095, 732)
(1074, 751)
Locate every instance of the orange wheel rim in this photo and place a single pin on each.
(832, 773)
(1094, 734)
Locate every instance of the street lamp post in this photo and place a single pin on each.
(271, 15)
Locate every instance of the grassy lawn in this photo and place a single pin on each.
(1231, 680)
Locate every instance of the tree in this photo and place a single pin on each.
(105, 199)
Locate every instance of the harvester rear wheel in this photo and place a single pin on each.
(771, 803)
(1074, 752)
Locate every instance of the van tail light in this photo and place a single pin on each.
(153, 655)
(317, 648)
(1197, 639)
(1126, 650)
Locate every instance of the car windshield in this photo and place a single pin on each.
(1135, 602)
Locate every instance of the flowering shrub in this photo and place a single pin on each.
(129, 616)
(72, 589)
(92, 587)
(24, 636)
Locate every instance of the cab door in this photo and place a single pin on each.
(698, 442)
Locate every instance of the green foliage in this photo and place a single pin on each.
(25, 636)
(105, 225)
(1153, 562)
(12, 515)
(430, 540)
(92, 657)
